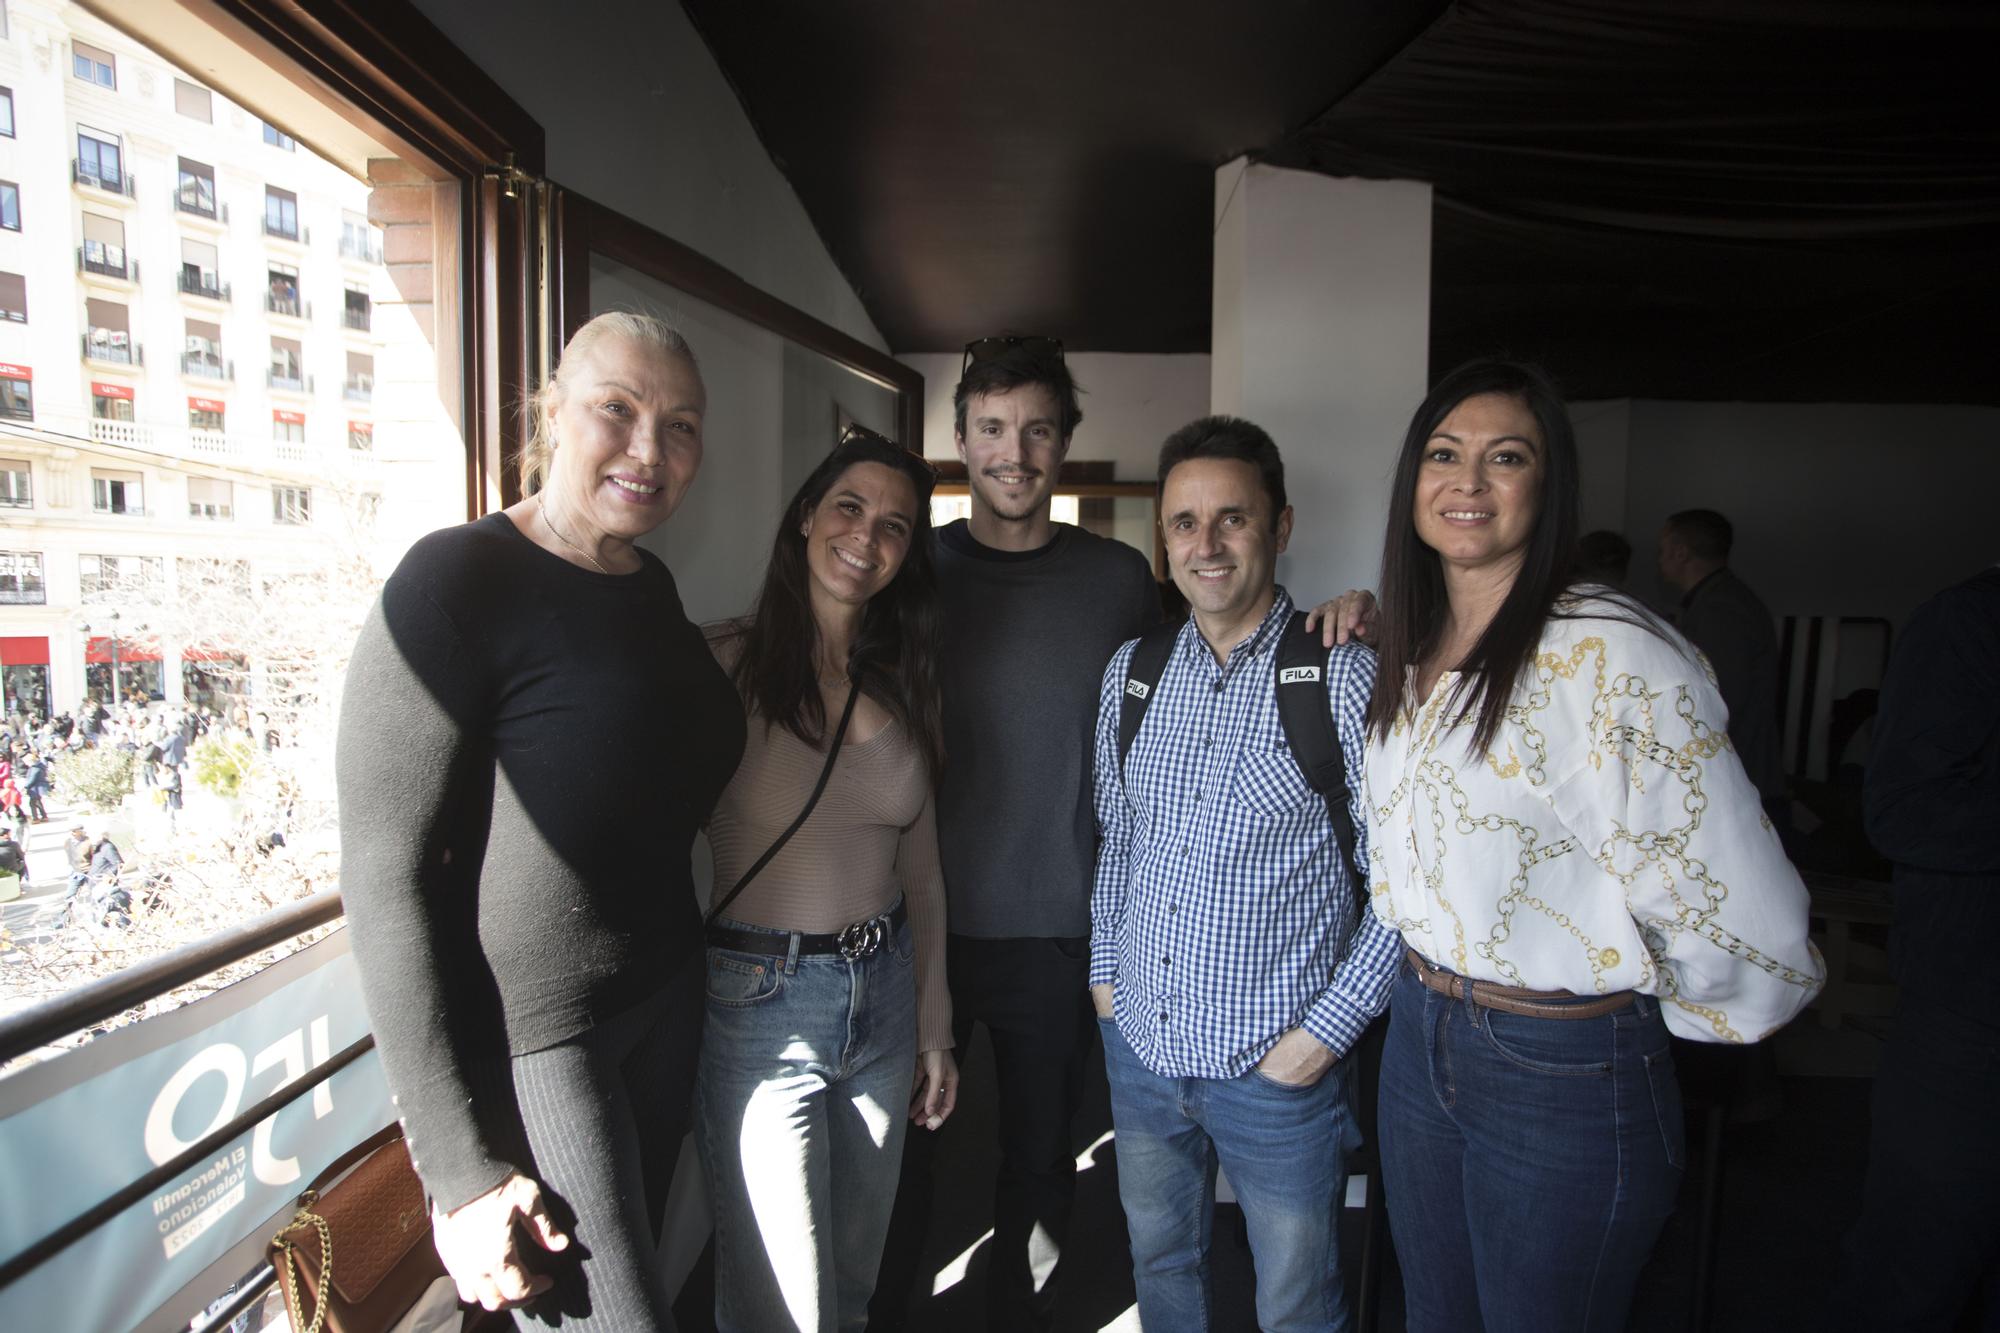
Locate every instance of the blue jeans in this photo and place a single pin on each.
(1527, 1163)
(806, 1070)
(1285, 1150)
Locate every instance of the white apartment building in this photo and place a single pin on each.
(190, 324)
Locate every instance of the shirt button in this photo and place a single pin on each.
(1173, 908)
(1187, 851)
(1207, 741)
(1218, 684)
(1164, 962)
(1163, 1015)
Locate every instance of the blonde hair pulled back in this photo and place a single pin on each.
(649, 330)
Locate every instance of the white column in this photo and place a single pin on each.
(1322, 336)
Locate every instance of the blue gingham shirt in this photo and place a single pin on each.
(1222, 912)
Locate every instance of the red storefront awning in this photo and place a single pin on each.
(10, 371)
(23, 651)
(206, 404)
(98, 651)
(294, 418)
(209, 653)
(103, 390)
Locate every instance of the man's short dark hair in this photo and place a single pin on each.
(1706, 534)
(1228, 437)
(1011, 369)
(1604, 556)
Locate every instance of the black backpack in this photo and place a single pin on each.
(1309, 729)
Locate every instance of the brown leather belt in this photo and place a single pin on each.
(1513, 999)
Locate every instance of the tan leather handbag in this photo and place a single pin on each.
(358, 1255)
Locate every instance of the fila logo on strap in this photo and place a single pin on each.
(1138, 689)
(1293, 675)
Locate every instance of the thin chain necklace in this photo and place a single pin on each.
(542, 507)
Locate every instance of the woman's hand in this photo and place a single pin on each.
(481, 1250)
(1352, 615)
(936, 1091)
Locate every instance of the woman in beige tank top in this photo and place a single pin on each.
(826, 983)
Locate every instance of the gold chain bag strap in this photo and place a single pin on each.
(377, 1218)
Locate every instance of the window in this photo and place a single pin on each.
(110, 332)
(194, 101)
(114, 578)
(99, 160)
(201, 352)
(358, 313)
(358, 240)
(291, 504)
(205, 414)
(21, 582)
(281, 213)
(117, 492)
(10, 206)
(287, 365)
(14, 297)
(7, 112)
(17, 393)
(288, 427)
(111, 402)
(17, 485)
(93, 65)
(201, 271)
(277, 138)
(360, 385)
(208, 498)
(361, 436)
(104, 246)
(283, 297)
(196, 191)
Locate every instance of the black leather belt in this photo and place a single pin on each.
(858, 940)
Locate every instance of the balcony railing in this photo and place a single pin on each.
(192, 203)
(281, 232)
(34, 595)
(290, 383)
(195, 284)
(358, 389)
(362, 318)
(203, 366)
(287, 305)
(368, 251)
(93, 175)
(108, 260)
(127, 434)
(99, 345)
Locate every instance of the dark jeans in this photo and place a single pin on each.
(1033, 996)
(1527, 1163)
(1925, 1252)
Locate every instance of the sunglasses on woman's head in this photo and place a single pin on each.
(856, 433)
(986, 349)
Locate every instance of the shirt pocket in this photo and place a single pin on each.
(1269, 782)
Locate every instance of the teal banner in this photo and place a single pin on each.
(77, 1129)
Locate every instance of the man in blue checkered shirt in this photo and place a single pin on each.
(1232, 961)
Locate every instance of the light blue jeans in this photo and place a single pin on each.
(806, 1070)
(1285, 1150)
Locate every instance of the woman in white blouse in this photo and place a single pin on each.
(1578, 865)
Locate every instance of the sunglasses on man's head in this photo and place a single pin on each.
(986, 349)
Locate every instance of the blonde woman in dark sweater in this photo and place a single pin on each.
(829, 1023)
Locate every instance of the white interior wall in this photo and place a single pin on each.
(1130, 404)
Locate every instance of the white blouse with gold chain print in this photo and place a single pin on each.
(1609, 839)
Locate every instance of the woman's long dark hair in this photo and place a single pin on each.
(895, 657)
(1413, 593)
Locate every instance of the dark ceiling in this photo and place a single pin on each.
(1764, 199)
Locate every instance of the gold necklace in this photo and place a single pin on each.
(541, 507)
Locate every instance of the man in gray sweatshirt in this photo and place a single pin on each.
(1033, 610)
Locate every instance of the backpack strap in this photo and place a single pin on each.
(1142, 678)
(1302, 664)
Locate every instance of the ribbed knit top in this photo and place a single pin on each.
(872, 836)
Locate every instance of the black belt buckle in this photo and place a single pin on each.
(863, 938)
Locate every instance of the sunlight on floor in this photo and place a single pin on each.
(1124, 1323)
(953, 1273)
